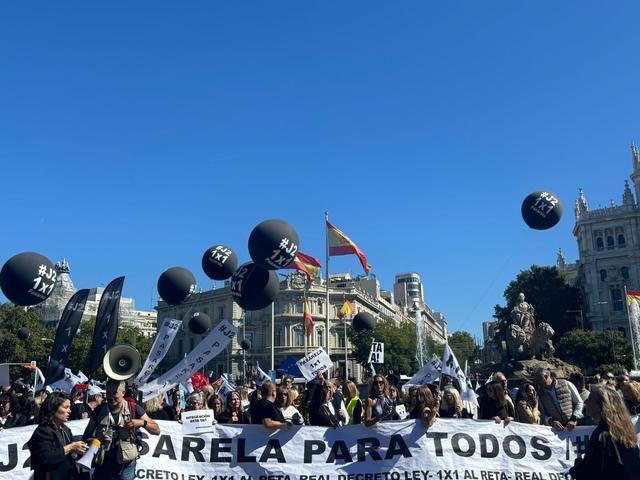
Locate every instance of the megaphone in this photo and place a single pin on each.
(121, 362)
(87, 458)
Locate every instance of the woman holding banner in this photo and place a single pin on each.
(379, 405)
(234, 413)
(612, 452)
(52, 451)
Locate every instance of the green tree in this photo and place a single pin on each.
(36, 347)
(547, 290)
(463, 346)
(595, 352)
(399, 347)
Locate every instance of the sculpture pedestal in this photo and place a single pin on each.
(524, 369)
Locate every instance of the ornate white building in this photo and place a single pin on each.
(288, 335)
(609, 255)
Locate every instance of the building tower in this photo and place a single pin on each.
(51, 309)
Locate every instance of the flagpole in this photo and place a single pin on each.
(326, 270)
(304, 320)
(273, 336)
(631, 330)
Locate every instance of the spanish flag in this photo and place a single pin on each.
(340, 244)
(631, 296)
(307, 318)
(307, 264)
(346, 309)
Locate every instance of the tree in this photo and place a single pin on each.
(546, 289)
(595, 351)
(36, 347)
(463, 346)
(399, 347)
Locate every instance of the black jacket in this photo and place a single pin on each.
(48, 460)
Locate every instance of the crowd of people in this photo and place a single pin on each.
(115, 418)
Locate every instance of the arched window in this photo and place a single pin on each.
(599, 244)
(299, 336)
(621, 241)
(319, 338)
(603, 275)
(616, 297)
(610, 243)
(625, 273)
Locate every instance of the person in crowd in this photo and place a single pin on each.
(302, 404)
(631, 395)
(287, 382)
(10, 415)
(451, 404)
(215, 403)
(423, 405)
(354, 404)
(494, 404)
(609, 380)
(264, 411)
(195, 401)
(320, 413)
(502, 378)
(612, 452)
(435, 390)
(527, 410)
(379, 406)
(116, 424)
(155, 408)
(336, 405)
(53, 453)
(580, 383)
(208, 392)
(560, 403)
(244, 398)
(177, 403)
(285, 403)
(234, 413)
(621, 380)
(95, 398)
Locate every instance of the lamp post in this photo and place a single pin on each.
(580, 322)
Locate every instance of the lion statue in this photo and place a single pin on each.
(517, 343)
(541, 343)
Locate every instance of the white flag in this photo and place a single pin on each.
(263, 377)
(426, 375)
(68, 382)
(451, 367)
(225, 389)
(164, 338)
(38, 383)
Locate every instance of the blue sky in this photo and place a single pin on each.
(135, 135)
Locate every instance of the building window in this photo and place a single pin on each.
(603, 275)
(299, 336)
(621, 241)
(320, 308)
(341, 340)
(297, 307)
(221, 312)
(599, 244)
(616, 298)
(319, 338)
(625, 273)
(279, 337)
(610, 243)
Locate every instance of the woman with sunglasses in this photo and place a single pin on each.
(234, 414)
(284, 401)
(53, 453)
(379, 405)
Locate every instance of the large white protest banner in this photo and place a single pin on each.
(315, 363)
(452, 449)
(208, 348)
(164, 338)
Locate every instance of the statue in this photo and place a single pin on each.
(522, 315)
(521, 339)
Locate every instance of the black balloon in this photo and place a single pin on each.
(273, 244)
(28, 278)
(245, 344)
(254, 287)
(219, 262)
(199, 323)
(176, 285)
(541, 210)
(23, 333)
(364, 322)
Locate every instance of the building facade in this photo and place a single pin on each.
(271, 346)
(51, 309)
(609, 255)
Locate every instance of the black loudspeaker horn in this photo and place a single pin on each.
(121, 362)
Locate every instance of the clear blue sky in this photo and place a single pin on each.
(134, 135)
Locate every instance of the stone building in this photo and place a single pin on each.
(609, 255)
(288, 338)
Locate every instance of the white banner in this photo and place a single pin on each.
(164, 338)
(208, 348)
(450, 450)
(315, 363)
(376, 355)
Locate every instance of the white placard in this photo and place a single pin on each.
(197, 421)
(315, 363)
(5, 378)
(401, 410)
(377, 353)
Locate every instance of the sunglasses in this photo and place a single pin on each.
(378, 383)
